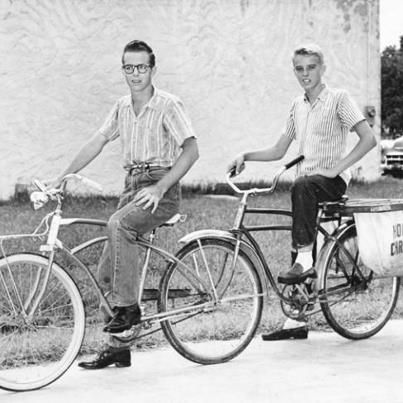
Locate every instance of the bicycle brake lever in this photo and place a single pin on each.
(40, 185)
(232, 172)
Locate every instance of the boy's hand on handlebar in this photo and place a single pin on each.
(237, 165)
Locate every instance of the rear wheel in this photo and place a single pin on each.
(356, 301)
(37, 346)
(213, 330)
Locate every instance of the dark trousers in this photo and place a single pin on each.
(306, 193)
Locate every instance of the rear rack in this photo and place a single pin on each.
(346, 207)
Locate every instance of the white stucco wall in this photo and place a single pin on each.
(228, 60)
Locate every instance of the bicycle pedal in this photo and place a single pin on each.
(134, 329)
(128, 335)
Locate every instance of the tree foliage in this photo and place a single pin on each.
(392, 90)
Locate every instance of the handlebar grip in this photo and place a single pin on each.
(232, 172)
(294, 162)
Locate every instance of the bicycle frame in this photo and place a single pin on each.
(149, 247)
(55, 245)
(241, 235)
(242, 238)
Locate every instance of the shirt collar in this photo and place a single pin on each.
(322, 94)
(152, 103)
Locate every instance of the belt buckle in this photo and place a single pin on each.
(140, 167)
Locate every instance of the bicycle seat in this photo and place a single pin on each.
(174, 219)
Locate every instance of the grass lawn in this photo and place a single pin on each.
(203, 211)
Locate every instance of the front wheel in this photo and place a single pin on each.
(221, 311)
(37, 345)
(355, 301)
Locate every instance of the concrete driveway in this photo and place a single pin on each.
(324, 368)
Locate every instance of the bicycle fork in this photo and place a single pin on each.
(28, 307)
(40, 284)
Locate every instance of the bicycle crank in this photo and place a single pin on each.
(297, 300)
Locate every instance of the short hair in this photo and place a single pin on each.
(310, 49)
(139, 46)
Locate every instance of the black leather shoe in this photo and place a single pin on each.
(286, 334)
(124, 318)
(120, 358)
(296, 275)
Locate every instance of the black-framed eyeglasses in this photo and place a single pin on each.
(141, 68)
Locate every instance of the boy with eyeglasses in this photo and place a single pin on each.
(159, 146)
(319, 121)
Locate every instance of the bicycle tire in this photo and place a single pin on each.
(221, 331)
(355, 307)
(35, 351)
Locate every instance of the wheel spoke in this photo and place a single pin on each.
(36, 349)
(221, 330)
(356, 302)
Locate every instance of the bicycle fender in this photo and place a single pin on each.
(231, 238)
(223, 235)
(207, 233)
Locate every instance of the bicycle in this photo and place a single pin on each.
(207, 312)
(210, 296)
(356, 302)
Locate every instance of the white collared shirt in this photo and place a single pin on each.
(321, 129)
(155, 135)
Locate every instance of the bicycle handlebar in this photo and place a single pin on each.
(88, 182)
(275, 179)
(83, 179)
(293, 162)
(40, 198)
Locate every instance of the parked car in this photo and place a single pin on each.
(392, 156)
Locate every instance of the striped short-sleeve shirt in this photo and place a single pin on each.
(155, 135)
(321, 129)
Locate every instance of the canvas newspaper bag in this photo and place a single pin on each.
(380, 235)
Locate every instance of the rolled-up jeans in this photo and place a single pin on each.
(306, 193)
(119, 268)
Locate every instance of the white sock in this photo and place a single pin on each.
(305, 259)
(293, 324)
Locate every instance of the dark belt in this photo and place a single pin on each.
(142, 167)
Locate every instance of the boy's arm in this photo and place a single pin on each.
(366, 142)
(84, 156)
(151, 195)
(273, 153)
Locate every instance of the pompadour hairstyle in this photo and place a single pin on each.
(309, 49)
(139, 46)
